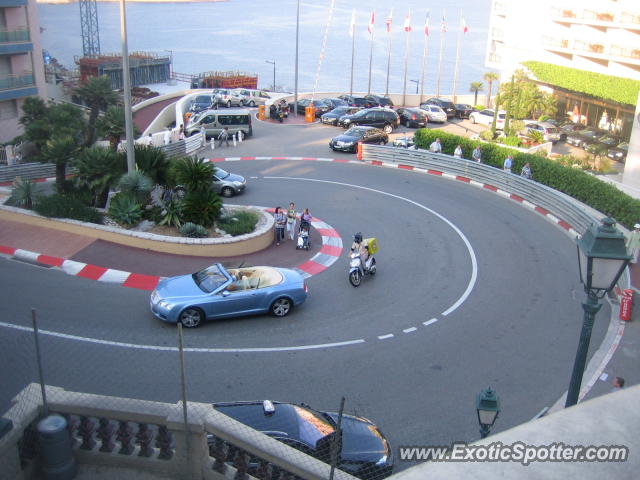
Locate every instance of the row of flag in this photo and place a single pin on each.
(406, 26)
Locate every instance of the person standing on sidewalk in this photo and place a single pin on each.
(457, 153)
(633, 243)
(476, 156)
(280, 223)
(436, 146)
(224, 137)
(526, 171)
(291, 220)
(508, 162)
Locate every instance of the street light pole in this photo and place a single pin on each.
(295, 91)
(128, 116)
(274, 72)
(417, 82)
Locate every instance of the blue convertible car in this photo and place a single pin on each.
(219, 293)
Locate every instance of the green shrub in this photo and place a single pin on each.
(487, 135)
(21, 194)
(511, 141)
(153, 213)
(239, 223)
(136, 184)
(63, 206)
(515, 126)
(574, 182)
(479, 107)
(125, 209)
(201, 207)
(171, 213)
(192, 230)
(193, 173)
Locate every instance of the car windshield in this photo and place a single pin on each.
(340, 110)
(221, 174)
(203, 99)
(312, 426)
(210, 279)
(361, 113)
(355, 132)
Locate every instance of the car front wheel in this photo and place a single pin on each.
(227, 192)
(252, 103)
(191, 317)
(281, 307)
(387, 129)
(228, 103)
(473, 120)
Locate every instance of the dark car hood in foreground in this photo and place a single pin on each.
(361, 440)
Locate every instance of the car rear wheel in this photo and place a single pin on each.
(473, 119)
(228, 103)
(227, 192)
(382, 142)
(281, 307)
(387, 128)
(252, 103)
(191, 317)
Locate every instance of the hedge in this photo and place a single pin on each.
(574, 182)
(607, 87)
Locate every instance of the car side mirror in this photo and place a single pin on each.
(225, 293)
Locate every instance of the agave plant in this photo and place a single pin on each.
(192, 230)
(21, 193)
(202, 207)
(125, 210)
(172, 213)
(137, 185)
(535, 137)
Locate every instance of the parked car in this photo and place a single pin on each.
(412, 117)
(348, 141)
(227, 97)
(604, 143)
(319, 104)
(380, 101)
(463, 110)
(335, 102)
(202, 102)
(361, 102)
(214, 121)
(485, 117)
(446, 105)
(404, 142)
(364, 450)
(434, 113)
(567, 128)
(332, 117)
(251, 98)
(619, 153)
(216, 292)
(549, 132)
(582, 138)
(374, 117)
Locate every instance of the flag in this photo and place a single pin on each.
(407, 23)
(371, 22)
(463, 25)
(443, 25)
(426, 26)
(389, 20)
(352, 26)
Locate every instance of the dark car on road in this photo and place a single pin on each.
(361, 102)
(412, 117)
(332, 117)
(463, 110)
(567, 128)
(319, 104)
(383, 118)
(363, 450)
(201, 103)
(602, 144)
(619, 153)
(379, 101)
(348, 141)
(335, 102)
(447, 105)
(582, 138)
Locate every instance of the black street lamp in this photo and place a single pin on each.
(602, 257)
(488, 408)
(274, 72)
(417, 82)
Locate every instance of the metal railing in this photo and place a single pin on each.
(8, 82)
(12, 35)
(562, 206)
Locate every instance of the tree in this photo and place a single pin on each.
(476, 87)
(112, 125)
(61, 150)
(98, 169)
(153, 162)
(490, 77)
(97, 95)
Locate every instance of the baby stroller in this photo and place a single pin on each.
(303, 236)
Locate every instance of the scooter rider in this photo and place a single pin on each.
(359, 246)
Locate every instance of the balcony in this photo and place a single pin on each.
(17, 86)
(601, 19)
(499, 9)
(14, 35)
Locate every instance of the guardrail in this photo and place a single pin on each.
(26, 171)
(562, 206)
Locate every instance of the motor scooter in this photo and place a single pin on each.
(357, 270)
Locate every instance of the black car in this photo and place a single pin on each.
(374, 117)
(201, 103)
(380, 101)
(320, 105)
(568, 128)
(582, 138)
(364, 451)
(335, 102)
(412, 117)
(361, 102)
(447, 105)
(603, 143)
(332, 117)
(463, 110)
(619, 153)
(348, 141)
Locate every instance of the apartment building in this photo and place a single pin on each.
(600, 36)
(21, 64)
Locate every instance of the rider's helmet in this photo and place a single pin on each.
(358, 237)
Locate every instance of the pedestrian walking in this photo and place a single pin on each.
(291, 220)
(224, 137)
(181, 132)
(508, 162)
(476, 156)
(167, 136)
(457, 153)
(526, 171)
(436, 146)
(306, 216)
(633, 243)
(618, 384)
(148, 141)
(281, 220)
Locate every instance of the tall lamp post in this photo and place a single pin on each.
(602, 257)
(417, 82)
(488, 408)
(274, 72)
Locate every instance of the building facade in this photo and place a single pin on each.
(601, 36)
(21, 63)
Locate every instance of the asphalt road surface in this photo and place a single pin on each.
(472, 291)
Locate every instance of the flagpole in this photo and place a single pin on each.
(455, 68)
(388, 58)
(406, 61)
(425, 49)
(442, 27)
(353, 46)
(370, 63)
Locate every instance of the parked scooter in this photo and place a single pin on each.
(357, 269)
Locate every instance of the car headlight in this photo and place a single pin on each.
(154, 297)
(618, 154)
(382, 461)
(165, 304)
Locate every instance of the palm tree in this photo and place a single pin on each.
(98, 169)
(97, 95)
(112, 125)
(476, 87)
(61, 150)
(193, 173)
(153, 162)
(490, 77)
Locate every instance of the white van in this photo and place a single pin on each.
(214, 121)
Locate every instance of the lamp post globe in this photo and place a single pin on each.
(488, 408)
